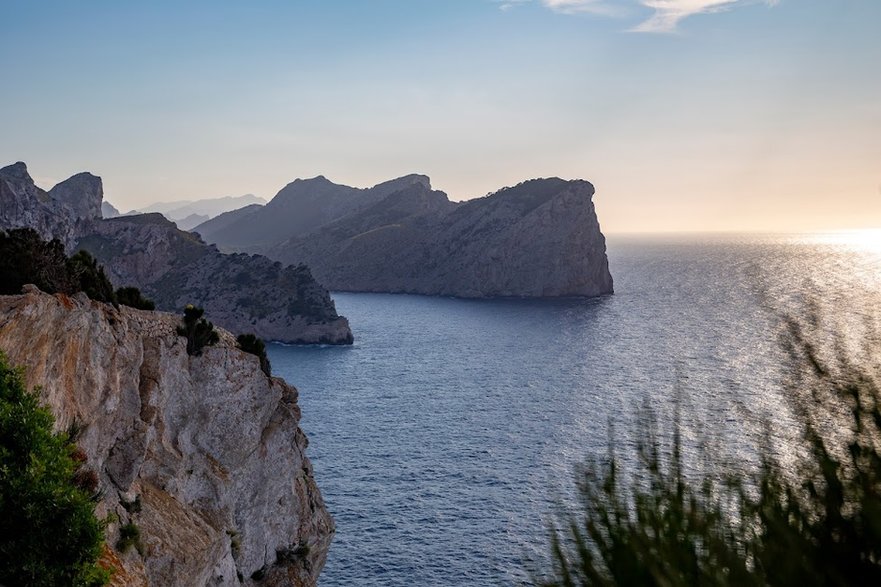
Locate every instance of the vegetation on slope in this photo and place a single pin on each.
(816, 524)
(250, 343)
(26, 258)
(49, 534)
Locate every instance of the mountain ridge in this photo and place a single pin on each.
(539, 238)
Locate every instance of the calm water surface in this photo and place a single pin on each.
(443, 437)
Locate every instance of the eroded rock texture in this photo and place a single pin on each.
(203, 454)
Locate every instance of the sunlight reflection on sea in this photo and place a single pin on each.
(442, 438)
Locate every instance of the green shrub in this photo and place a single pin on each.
(89, 277)
(131, 297)
(198, 331)
(250, 343)
(49, 534)
(818, 523)
(129, 536)
(26, 258)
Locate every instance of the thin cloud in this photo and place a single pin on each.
(667, 13)
(585, 6)
(601, 7)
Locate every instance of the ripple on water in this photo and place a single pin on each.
(441, 439)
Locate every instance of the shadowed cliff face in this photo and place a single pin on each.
(246, 294)
(208, 447)
(538, 239)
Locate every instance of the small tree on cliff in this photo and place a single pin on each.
(250, 343)
(198, 331)
(131, 297)
(49, 534)
(89, 277)
(26, 258)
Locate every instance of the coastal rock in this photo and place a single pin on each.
(203, 454)
(242, 293)
(540, 238)
(245, 294)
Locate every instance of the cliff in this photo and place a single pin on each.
(203, 454)
(63, 212)
(242, 293)
(538, 239)
(173, 267)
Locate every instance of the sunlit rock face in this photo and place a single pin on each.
(203, 454)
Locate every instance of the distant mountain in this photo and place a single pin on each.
(540, 238)
(239, 292)
(108, 210)
(193, 212)
(209, 228)
(300, 207)
(192, 221)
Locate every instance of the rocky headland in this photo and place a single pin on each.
(243, 293)
(202, 453)
(540, 238)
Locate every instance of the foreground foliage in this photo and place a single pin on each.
(49, 534)
(819, 524)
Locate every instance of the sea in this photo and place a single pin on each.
(447, 436)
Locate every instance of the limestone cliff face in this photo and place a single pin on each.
(203, 454)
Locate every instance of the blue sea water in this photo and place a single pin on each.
(443, 438)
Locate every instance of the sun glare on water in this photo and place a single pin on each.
(867, 240)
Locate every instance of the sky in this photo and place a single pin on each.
(686, 115)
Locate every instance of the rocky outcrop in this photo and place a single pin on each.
(538, 239)
(242, 293)
(63, 212)
(245, 294)
(203, 454)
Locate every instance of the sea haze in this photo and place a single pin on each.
(443, 437)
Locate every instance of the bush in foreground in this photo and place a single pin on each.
(819, 524)
(49, 534)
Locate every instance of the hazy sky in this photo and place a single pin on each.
(685, 114)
